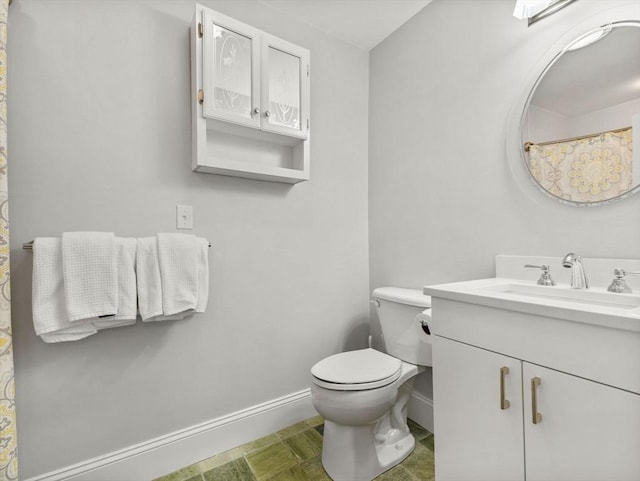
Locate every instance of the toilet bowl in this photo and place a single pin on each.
(363, 395)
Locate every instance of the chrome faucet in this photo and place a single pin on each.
(578, 276)
(618, 284)
(545, 277)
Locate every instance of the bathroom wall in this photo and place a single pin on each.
(544, 125)
(442, 197)
(604, 119)
(100, 139)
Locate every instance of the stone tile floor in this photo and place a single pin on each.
(293, 454)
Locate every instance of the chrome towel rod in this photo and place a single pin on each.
(29, 245)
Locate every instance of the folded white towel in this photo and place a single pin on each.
(48, 300)
(179, 256)
(149, 283)
(90, 274)
(203, 274)
(127, 296)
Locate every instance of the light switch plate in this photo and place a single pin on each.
(184, 217)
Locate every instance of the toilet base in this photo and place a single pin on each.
(390, 455)
(366, 459)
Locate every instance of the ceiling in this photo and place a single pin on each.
(595, 77)
(362, 23)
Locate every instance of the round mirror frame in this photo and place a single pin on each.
(517, 157)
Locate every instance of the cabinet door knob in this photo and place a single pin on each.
(267, 113)
(536, 417)
(504, 403)
(256, 111)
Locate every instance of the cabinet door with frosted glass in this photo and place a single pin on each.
(231, 70)
(285, 87)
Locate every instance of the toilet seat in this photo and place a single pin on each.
(356, 370)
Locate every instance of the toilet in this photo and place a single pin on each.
(363, 394)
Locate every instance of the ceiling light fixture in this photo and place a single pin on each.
(534, 10)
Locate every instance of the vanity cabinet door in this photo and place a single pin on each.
(285, 87)
(479, 437)
(587, 431)
(231, 70)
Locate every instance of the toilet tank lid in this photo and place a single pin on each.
(412, 297)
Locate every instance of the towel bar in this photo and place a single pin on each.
(29, 245)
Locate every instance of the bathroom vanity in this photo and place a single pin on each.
(535, 382)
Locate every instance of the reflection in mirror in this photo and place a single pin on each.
(581, 126)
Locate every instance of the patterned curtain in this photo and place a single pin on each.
(8, 445)
(589, 169)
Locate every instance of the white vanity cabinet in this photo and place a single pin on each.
(587, 431)
(584, 430)
(251, 96)
(486, 352)
(475, 439)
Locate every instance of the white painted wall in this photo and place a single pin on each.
(544, 125)
(442, 199)
(100, 140)
(605, 119)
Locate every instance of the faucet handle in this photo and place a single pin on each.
(545, 277)
(618, 284)
(622, 272)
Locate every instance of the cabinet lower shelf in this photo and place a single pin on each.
(255, 171)
(226, 149)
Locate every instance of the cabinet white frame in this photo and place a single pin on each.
(210, 19)
(240, 146)
(270, 42)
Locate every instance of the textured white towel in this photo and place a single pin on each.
(127, 295)
(178, 255)
(149, 283)
(90, 274)
(203, 274)
(48, 300)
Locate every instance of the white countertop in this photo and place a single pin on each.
(559, 301)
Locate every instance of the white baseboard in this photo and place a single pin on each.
(165, 454)
(421, 411)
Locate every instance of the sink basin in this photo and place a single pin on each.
(593, 306)
(567, 294)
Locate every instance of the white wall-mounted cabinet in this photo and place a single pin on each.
(250, 101)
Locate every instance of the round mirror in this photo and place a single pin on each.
(580, 129)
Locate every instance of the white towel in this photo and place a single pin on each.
(181, 260)
(90, 274)
(149, 283)
(48, 300)
(172, 284)
(127, 296)
(203, 274)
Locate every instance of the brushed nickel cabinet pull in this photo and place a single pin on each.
(504, 403)
(536, 417)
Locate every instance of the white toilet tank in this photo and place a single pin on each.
(404, 337)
